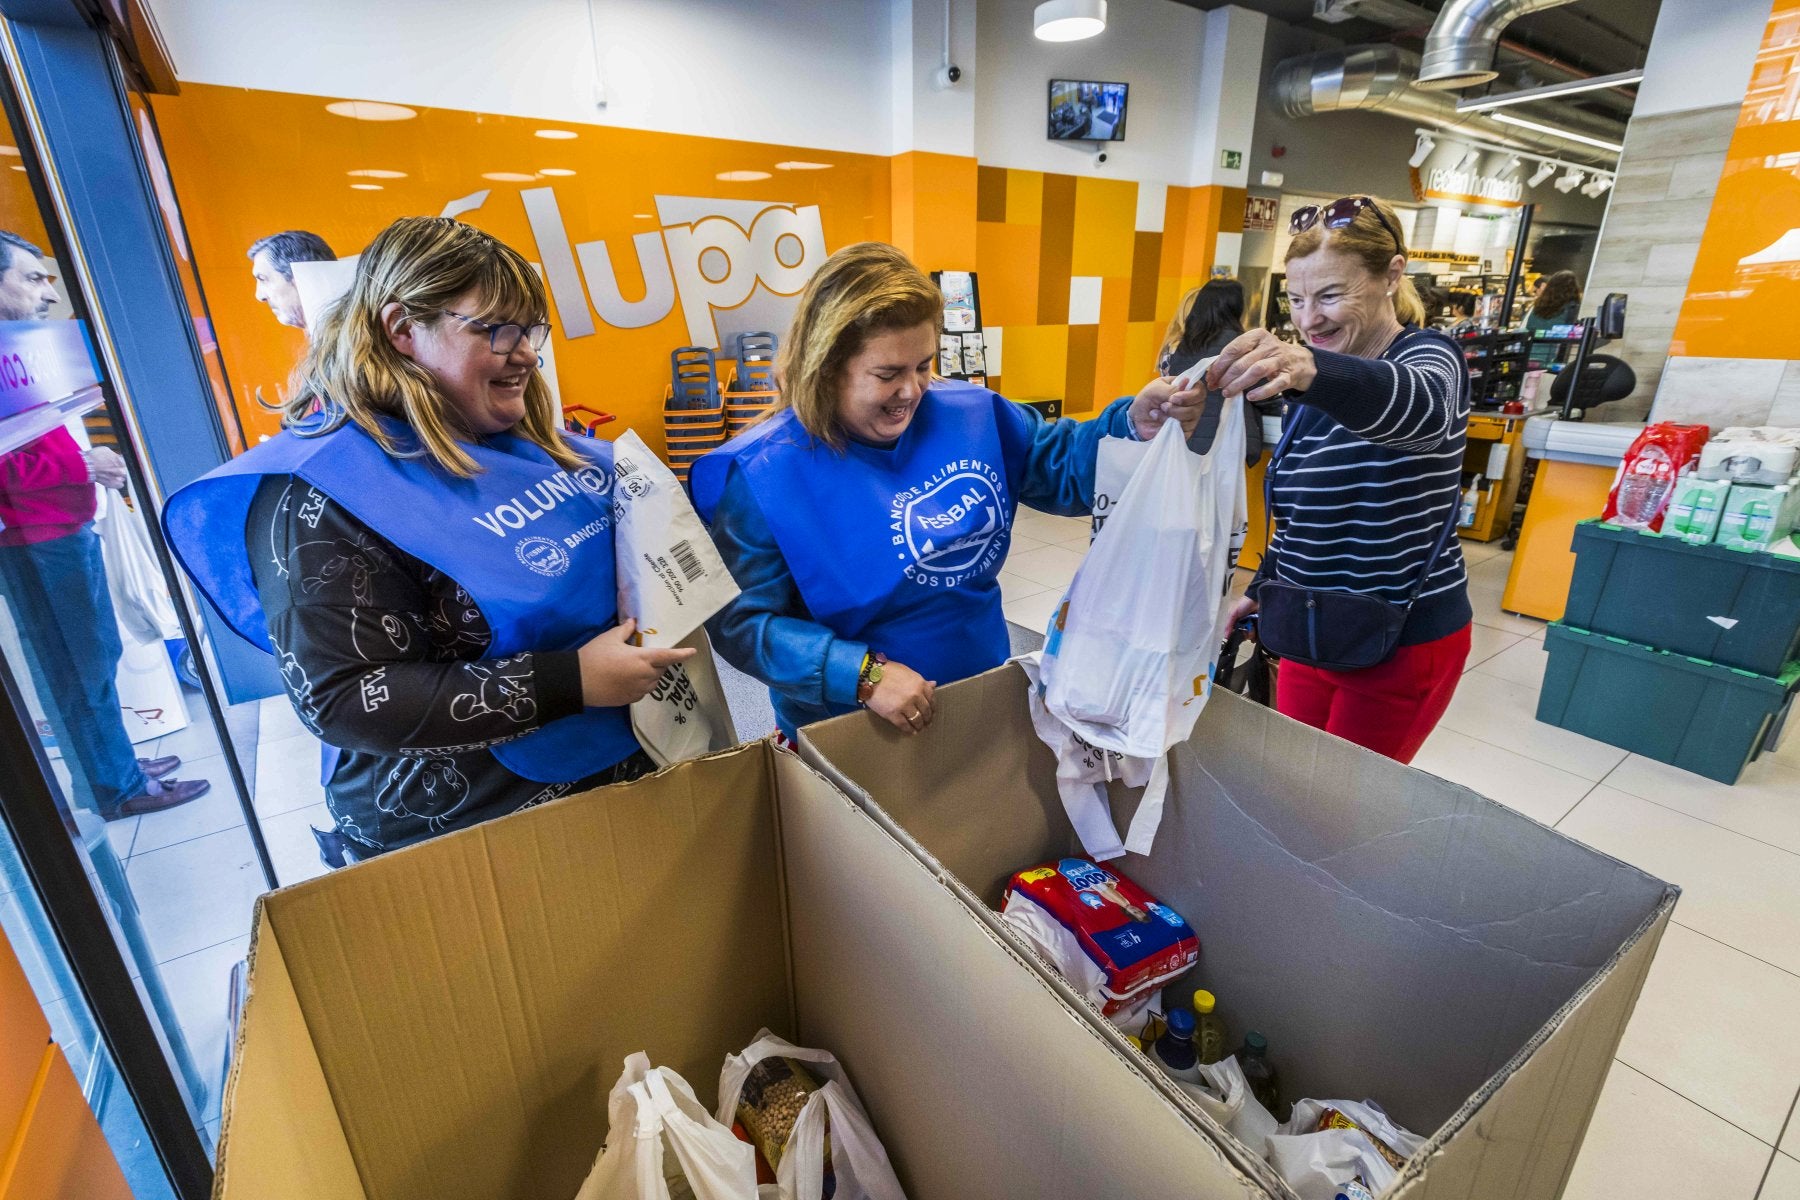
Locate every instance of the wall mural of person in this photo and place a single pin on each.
(272, 262)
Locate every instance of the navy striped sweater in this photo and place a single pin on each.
(1371, 473)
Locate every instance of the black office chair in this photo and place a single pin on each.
(1603, 380)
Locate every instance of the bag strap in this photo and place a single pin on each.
(1281, 447)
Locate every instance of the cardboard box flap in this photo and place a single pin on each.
(281, 1139)
(993, 1068)
(484, 988)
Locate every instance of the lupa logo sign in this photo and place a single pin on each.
(733, 265)
(951, 526)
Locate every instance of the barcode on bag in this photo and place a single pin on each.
(687, 560)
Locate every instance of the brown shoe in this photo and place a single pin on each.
(161, 794)
(156, 768)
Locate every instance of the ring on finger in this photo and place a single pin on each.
(912, 717)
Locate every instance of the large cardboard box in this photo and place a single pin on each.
(443, 1023)
(1395, 936)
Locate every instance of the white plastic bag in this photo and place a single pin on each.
(1082, 772)
(1127, 663)
(650, 1112)
(671, 578)
(1317, 1163)
(858, 1161)
(685, 715)
(139, 594)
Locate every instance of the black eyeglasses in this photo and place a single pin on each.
(1342, 212)
(504, 339)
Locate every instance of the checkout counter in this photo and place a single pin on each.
(1576, 462)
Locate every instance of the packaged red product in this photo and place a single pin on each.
(1135, 942)
(1646, 479)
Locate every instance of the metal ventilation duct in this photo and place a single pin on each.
(1459, 51)
(1378, 78)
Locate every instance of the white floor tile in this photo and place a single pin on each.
(1488, 612)
(1716, 1026)
(198, 985)
(1034, 612)
(1737, 890)
(1540, 791)
(217, 810)
(1039, 526)
(1021, 542)
(1484, 643)
(1480, 552)
(1017, 587)
(122, 833)
(1523, 662)
(196, 894)
(292, 847)
(1763, 804)
(195, 742)
(287, 775)
(1790, 1141)
(1783, 1182)
(1051, 566)
(1647, 1141)
(276, 719)
(1504, 713)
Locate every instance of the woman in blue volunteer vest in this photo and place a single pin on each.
(425, 552)
(867, 520)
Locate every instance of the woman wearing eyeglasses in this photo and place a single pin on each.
(1363, 595)
(428, 556)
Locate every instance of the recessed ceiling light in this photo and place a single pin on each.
(18, 168)
(1567, 135)
(373, 173)
(366, 187)
(803, 166)
(741, 176)
(557, 135)
(643, 216)
(13, 150)
(371, 110)
(559, 172)
(508, 177)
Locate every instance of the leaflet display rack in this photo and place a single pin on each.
(962, 346)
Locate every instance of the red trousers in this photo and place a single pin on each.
(1391, 708)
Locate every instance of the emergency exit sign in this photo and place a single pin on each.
(1231, 160)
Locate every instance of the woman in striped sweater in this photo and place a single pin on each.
(1368, 473)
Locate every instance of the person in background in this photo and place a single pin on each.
(1368, 474)
(426, 553)
(272, 262)
(1462, 314)
(867, 519)
(54, 579)
(1209, 318)
(1557, 302)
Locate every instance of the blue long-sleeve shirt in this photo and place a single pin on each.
(812, 672)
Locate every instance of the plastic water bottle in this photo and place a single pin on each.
(1644, 487)
(1259, 1073)
(1174, 1050)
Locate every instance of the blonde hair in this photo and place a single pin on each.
(352, 370)
(1178, 323)
(1368, 241)
(864, 289)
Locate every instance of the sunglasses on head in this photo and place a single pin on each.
(1340, 213)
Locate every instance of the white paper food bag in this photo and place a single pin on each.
(671, 578)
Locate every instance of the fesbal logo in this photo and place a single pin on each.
(733, 266)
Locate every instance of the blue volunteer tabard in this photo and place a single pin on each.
(531, 543)
(897, 547)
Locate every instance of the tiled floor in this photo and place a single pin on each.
(1704, 1088)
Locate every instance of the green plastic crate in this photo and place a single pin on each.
(1696, 715)
(1737, 608)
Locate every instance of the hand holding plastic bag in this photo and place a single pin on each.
(650, 1112)
(858, 1161)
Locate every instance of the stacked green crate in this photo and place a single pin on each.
(1686, 654)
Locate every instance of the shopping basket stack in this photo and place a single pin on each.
(751, 394)
(693, 412)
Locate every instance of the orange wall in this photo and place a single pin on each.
(248, 163)
(1745, 309)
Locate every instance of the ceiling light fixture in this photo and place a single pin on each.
(1422, 150)
(370, 110)
(1468, 161)
(508, 177)
(796, 165)
(741, 176)
(373, 173)
(1568, 181)
(1553, 131)
(557, 172)
(1602, 182)
(1069, 20)
(1570, 88)
(557, 135)
(1545, 170)
(12, 150)
(1512, 164)
(366, 187)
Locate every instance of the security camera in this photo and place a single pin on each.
(948, 76)
(1099, 157)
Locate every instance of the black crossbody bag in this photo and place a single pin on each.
(1338, 631)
